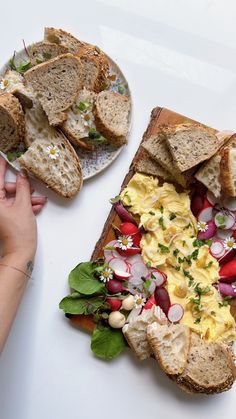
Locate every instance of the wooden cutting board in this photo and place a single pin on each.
(159, 116)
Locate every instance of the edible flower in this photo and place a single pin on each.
(106, 275)
(202, 226)
(229, 243)
(125, 242)
(53, 151)
(139, 301)
(3, 84)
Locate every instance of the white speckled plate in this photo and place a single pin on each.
(92, 162)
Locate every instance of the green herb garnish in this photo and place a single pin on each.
(197, 320)
(172, 216)
(120, 89)
(161, 223)
(163, 249)
(161, 209)
(225, 301)
(151, 213)
(83, 106)
(176, 252)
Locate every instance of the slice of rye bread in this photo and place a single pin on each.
(12, 122)
(228, 169)
(135, 331)
(14, 83)
(156, 146)
(96, 66)
(209, 172)
(44, 51)
(79, 121)
(170, 345)
(63, 38)
(62, 174)
(111, 112)
(210, 367)
(191, 144)
(147, 165)
(56, 84)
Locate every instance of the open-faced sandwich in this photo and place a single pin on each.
(162, 277)
(62, 95)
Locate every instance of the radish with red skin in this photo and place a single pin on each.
(209, 233)
(158, 277)
(130, 229)
(229, 203)
(162, 299)
(224, 234)
(205, 215)
(229, 255)
(200, 189)
(117, 264)
(129, 252)
(150, 302)
(196, 204)
(217, 249)
(224, 220)
(114, 286)
(110, 254)
(121, 275)
(228, 270)
(226, 290)
(139, 270)
(114, 303)
(123, 213)
(228, 279)
(175, 313)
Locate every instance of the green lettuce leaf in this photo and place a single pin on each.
(107, 343)
(77, 305)
(82, 279)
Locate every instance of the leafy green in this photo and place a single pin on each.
(199, 243)
(120, 89)
(107, 343)
(83, 106)
(172, 216)
(77, 305)
(161, 223)
(225, 301)
(163, 249)
(82, 279)
(115, 200)
(176, 252)
(24, 66)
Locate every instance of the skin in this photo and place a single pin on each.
(18, 234)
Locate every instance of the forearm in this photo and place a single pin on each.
(15, 270)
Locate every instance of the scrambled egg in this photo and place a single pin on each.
(170, 244)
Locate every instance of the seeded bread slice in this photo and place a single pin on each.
(80, 119)
(56, 84)
(145, 164)
(228, 170)
(191, 144)
(44, 51)
(210, 368)
(96, 66)
(13, 82)
(157, 148)
(60, 37)
(111, 112)
(62, 173)
(12, 122)
(170, 345)
(135, 332)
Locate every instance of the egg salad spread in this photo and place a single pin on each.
(170, 244)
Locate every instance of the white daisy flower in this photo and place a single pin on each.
(106, 275)
(202, 226)
(125, 242)
(139, 301)
(53, 151)
(3, 84)
(229, 243)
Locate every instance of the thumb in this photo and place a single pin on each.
(22, 189)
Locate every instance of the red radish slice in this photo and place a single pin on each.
(134, 259)
(230, 203)
(229, 255)
(158, 277)
(150, 303)
(175, 313)
(117, 264)
(228, 279)
(224, 220)
(135, 285)
(205, 215)
(227, 290)
(196, 204)
(217, 249)
(211, 198)
(224, 234)
(130, 229)
(110, 254)
(209, 233)
(121, 275)
(229, 269)
(129, 252)
(139, 270)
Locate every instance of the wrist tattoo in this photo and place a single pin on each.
(30, 267)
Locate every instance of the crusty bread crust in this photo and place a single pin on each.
(58, 36)
(11, 109)
(226, 172)
(91, 52)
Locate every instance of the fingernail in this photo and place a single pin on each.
(23, 173)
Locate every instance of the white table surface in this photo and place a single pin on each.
(175, 53)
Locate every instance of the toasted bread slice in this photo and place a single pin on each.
(56, 84)
(135, 332)
(191, 144)
(54, 161)
(80, 119)
(210, 368)
(96, 66)
(13, 82)
(44, 51)
(228, 167)
(111, 113)
(157, 148)
(170, 345)
(12, 122)
(145, 164)
(63, 38)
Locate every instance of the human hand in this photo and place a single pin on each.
(18, 208)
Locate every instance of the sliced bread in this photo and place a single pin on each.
(228, 170)
(191, 144)
(111, 111)
(210, 367)
(135, 331)
(44, 51)
(56, 84)
(157, 148)
(60, 37)
(54, 162)
(96, 66)
(80, 119)
(12, 122)
(13, 82)
(145, 164)
(170, 345)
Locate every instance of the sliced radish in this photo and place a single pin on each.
(209, 233)
(175, 313)
(134, 285)
(224, 220)
(158, 277)
(117, 264)
(211, 198)
(129, 252)
(139, 270)
(122, 275)
(205, 215)
(229, 269)
(227, 290)
(224, 234)
(217, 249)
(150, 303)
(229, 255)
(110, 254)
(133, 259)
(230, 203)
